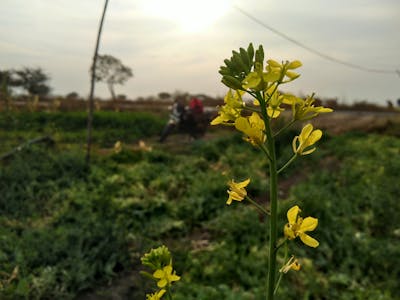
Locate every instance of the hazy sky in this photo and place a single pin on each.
(170, 50)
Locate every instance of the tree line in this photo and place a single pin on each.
(35, 81)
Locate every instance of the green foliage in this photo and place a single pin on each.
(70, 127)
(69, 231)
(357, 210)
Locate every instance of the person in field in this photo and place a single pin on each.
(190, 119)
(175, 118)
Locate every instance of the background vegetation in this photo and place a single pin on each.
(71, 233)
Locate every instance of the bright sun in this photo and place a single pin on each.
(193, 16)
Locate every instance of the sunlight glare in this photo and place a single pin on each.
(192, 16)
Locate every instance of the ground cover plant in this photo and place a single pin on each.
(70, 127)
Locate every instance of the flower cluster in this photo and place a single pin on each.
(160, 261)
(245, 74)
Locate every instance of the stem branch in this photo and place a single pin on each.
(292, 159)
(263, 210)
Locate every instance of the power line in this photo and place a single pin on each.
(320, 54)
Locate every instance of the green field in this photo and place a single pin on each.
(78, 234)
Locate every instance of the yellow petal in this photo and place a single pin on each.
(158, 274)
(308, 240)
(288, 232)
(294, 146)
(308, 151)
(216, 121)
(321, 109)
(229, 201)
(292, 75)
(314, 137)
(168, 269)
(294, 64)
(161, 293)
(235, 196)
(305, 133)
(256, 120)
(308, 224)
(243, 183)
(273, 63)
(162, 283)
(289, 99)
(292, 214)
(242, 124)
(271, 76)
(295, 265)
(174, 277)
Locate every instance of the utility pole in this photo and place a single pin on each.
(92, 83)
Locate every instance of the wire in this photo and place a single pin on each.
(320, 54)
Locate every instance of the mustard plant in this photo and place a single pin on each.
(159, 260)
(247, 74)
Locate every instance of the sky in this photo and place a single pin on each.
(176, 45)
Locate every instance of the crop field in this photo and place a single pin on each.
(69, 232)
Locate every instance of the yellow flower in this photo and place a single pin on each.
(307, 138)
(230, 111)
(166, 276)
(156, 296)
(292, 264)
(297, 227)
(305, 109)
(282, 70)
(237, 190)
(117, 147)
(274, 109)
(253, 127)
(254, 81)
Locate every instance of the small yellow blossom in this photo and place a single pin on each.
(253, 127)
(254, 81)
(231, 110)
(156, 296)
(292, 264)
(297, 226)
(307, 138)
(166, 276)
(274, 109)
(282, 70)
(117, 147)
(305, 109)
(144, 147)
(237, 190)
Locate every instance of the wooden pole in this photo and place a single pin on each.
(92, 83)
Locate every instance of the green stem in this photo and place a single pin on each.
(284, 127)
(169, 296)
(292, 159)
(273, 197)
(265, 150)
(263, 210)
(281, 273)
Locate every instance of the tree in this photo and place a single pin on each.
(5, 90)
(111, 71)
(32, 80)
(5, 81)
(72, 96)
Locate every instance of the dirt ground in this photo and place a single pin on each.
(343, 121)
